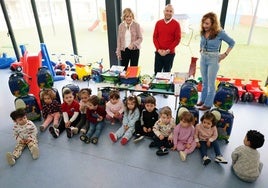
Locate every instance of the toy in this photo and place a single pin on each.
(16, 66)
(96, 72)
(82, 71)
(255, 93)
(61, 67)
(6, 61)
(145, 81)
(242, 93)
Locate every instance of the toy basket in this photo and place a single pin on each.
(110, 77)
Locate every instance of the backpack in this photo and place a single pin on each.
(188, 93)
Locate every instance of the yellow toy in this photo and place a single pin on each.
(82, 72)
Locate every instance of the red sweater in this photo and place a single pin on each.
(92, 115)
(167, 35)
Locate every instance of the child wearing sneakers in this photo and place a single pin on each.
(149, 115)
(206, 135)
(246, 159)
(50, 109)
(95, 118)
(82, 126)
(25, 133)
(163, 130)
(183, 138)
(70, 113)
(131, 115)
(114, 107)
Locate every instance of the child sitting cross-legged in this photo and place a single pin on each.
(163, 130)
(131, 115)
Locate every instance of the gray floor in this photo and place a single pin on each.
(67, 162)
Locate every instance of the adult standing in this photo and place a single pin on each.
(211, 37)
(167, 35)
(128, 40)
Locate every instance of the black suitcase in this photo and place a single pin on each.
(30, 104)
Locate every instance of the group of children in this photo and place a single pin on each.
(87, 118)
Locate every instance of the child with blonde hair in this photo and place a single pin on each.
(131, 116)
(50, 109)
(183, 137)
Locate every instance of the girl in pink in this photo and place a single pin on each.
(50, 109)
(114, 107)
(183, 138)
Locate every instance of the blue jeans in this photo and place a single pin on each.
(95, 129)
(209, 66)
(203, 148)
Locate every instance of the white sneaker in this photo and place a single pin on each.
(83, 131)
(183, 155)
(220, 159)
(139, 138)
(75, 130)
(35, 152)
(42, 128)
(10, 159)
(206, 160)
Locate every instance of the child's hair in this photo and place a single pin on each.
(132, 98)
(166, 110)
(93, 99)
(150, 100)
(19, 113)
(66, 91)
(255, 138)
(187, 117)
(114, 94)
(209, 116)
(48, 92)
(84, 91)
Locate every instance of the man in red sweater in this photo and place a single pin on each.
(167, 35)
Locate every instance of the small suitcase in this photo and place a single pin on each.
(29, 103)
(189, 93)
(75, 89)
(192, 110)
(44, 78)
(17, 85)
(224, 124)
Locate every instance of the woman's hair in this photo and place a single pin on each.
(83, 91)
(166, 110)
(209, 116)
(48, 92)
(255, 138)
(127, 12)
(114, 94)
(187, 117)
(215, 25)
(133, 99)
(93, 99)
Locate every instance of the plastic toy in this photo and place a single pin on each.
(255, 93)
(82, 71)
(6, 61)
(242, 93)
(96, 72)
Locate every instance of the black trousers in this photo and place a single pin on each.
(139, 130)
(163, 63)
(130, 55)
(162, 143)
(73, 124)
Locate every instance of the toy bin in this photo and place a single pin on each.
(161, 84)
(110, 77)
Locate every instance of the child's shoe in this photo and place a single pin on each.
(69, 132)
(206, 160)
(124, 141)
(220, 159)
(54, 132)
(113, 137)
(183, 156)
(42, 128)
(83, 131)
(162, 151)
(138, 138)
(35, 152)
(87, 140)
(94, 140)
(83, 137)
(10, 159)
(75, 130)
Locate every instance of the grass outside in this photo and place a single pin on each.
(245, 61)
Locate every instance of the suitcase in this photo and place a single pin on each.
(17, 85)
(225, 123)
(225, 96)
(192, 110)
(75, 89)
(29, 103)
(189, 93)
(44, 78)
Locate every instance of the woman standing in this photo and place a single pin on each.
(128, 40)
(211, 37)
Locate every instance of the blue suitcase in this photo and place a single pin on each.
(224, 124)
(29, 103)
